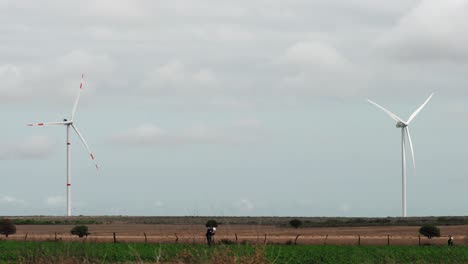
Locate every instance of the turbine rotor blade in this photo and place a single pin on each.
(392, 115)
(411, 146)
(416, 112)
(86, 145)
(75, 106)
(48, 124)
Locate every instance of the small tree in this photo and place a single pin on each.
(7, 227)
(296, 223)
(80, 231)
(211, 223)
(429, 231)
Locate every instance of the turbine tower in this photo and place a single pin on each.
(404, 132)
(70, 124)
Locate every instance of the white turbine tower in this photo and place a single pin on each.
(68, 124)
(404, 131)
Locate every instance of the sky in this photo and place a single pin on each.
(234, 108)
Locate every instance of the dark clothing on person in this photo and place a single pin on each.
(209, 236)
(450, 241)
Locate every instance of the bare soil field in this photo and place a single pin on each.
(242, 233)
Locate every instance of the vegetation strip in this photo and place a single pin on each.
(43, 252)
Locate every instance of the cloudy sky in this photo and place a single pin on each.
(215, 107)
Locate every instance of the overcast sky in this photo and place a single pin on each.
(215, 107)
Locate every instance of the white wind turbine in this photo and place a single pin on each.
(68, 124)
(404, 131)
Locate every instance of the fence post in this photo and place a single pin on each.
(264, 240)
(419, 239)
(115, 238)
(146, 239)
(388, 240)
(177, 238)
(295, 240)
(359, 240)
(26, 236)
(55, 238)
(325, 241)
(236, 236)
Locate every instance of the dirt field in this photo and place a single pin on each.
(189, 233)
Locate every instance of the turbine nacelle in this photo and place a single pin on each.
(401, 124)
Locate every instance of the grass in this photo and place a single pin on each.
(60, 252)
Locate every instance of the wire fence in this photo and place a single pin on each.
(265, 238)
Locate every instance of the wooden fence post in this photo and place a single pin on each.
(295, 240)
(26, 236)
(146, 239)
(177, 238)
(419, 239)
(325, 241)
(359, 240)
(388, 240)
(264, 240)
(115, 238)
(236, 236)
(55, 238)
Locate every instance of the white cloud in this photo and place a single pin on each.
(175, 76)
(245, 205)
(313, 54)
(318, 68)
(123, 10)
(247, 130)
(55, 201)
(34, 147)
(145, 134)
(433, 31)
(10, 200)
(344, 209)
(59, 77)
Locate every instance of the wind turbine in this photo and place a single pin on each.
(70, 124)
(404, 132)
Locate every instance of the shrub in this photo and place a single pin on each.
(7, 227)
(296, 223)
(226, 241)
(211, 223)
(429, 231)
(80, 231)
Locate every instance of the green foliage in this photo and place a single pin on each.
(71, 252)
(296, 223)
(7, 227)
(211, 223)
(429, 231)
(80, 231)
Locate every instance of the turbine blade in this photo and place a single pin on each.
(392, 115)
(48, 124)
(415, 113)
(75, 106)
(86, 145)
(411, 146)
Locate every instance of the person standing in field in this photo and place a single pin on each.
(209, 235)
(450, 240)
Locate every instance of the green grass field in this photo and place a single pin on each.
(60, 252)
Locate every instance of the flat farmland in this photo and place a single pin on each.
(241, 233)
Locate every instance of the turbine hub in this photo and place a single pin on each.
(401, 124)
